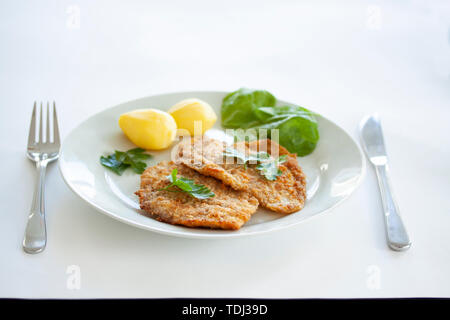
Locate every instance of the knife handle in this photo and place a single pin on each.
(397, 236)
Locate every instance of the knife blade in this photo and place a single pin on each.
(374, 147)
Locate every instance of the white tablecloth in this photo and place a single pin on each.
(343, 61)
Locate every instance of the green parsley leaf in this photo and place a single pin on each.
(242, 158)
(268, 167)
(119, 161)
(136, 151)
(113, 164)
(198, 191)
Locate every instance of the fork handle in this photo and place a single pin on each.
(397, 236)
(35, 233)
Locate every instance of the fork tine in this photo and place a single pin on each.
(55, 125)
(47, 136)
(32, 131)
(41, 127)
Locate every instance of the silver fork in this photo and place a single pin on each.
(42, 151)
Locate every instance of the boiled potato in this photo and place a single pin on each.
(149, 128)
(188, 111)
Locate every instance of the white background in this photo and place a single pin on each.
(343, 61)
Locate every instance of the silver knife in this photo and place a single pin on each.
(373, 144)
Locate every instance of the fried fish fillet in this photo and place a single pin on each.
(286, 194)
(228, 209)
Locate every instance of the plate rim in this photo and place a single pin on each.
(203, 235)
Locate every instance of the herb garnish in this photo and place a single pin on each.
(268, 166)
(270, 169)
(198, 191)
(119, 161)
(243, 158)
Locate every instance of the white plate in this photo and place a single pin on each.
(333, 170)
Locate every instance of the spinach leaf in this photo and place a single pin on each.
(255, 109)
(299, 135)
(238, 107)
(298, 129)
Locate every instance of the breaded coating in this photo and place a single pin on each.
(228, 209)
(286, 194)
